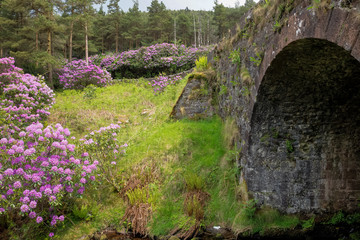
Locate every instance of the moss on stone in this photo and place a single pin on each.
(245, 75)
(198, 76)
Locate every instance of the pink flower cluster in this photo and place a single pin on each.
(78, 75)
(7, 65)
(39, 170)
(161, 82)
(26, 98)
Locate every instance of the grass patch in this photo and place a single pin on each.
(97, 210)
(189, 162)
(269, 219)
(133, 103)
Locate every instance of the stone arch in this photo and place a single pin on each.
(321, 172)
(303, 150)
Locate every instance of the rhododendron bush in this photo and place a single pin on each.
(161, 82)
(150, 61)
(42, 169)
(24, 98)
(39, 171)
(77, 75)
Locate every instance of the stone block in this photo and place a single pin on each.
(351, 174)
(353, 185)
(350, 31)
(334, 29)
(355, 52)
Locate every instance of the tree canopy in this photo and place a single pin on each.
(39, 33)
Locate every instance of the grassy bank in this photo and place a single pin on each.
(176, 176)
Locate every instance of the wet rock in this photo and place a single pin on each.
(217, 232)
(174, 238)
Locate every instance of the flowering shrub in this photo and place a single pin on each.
(102, 145)
(7, 65)
(161, 82)
(40, 171)
(78, 75)
(7, 72)
(24, 98)
(150, 61)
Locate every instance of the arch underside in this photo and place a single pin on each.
(304, 144)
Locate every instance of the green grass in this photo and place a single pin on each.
(132, 102)
(179, 156)
(196, 148)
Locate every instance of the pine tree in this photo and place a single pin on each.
(86, 16)
(115, 17)
(184, 28)
(159, 23)
(7, 26)
(102, 31)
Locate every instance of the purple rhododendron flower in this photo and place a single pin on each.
(9, 172)
(24, 208)
(32, 215)
(17, 184)
(33, 204)
(39, 219)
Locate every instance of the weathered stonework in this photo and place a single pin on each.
(305, 132)
(195, 100)
(299, 116)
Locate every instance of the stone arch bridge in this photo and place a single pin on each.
(289, 75)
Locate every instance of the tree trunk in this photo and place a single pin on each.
(102, 44)
(37, 41)
(52, 43)
(195, 30)
(49, 48)
(86, 44)
(65, 50)
(50, 75)
(175, 31)
(199, 34)
(71, 33)
(37, 45)
(71, 41)
(117, 38)
(208, 32)
(1, 52)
